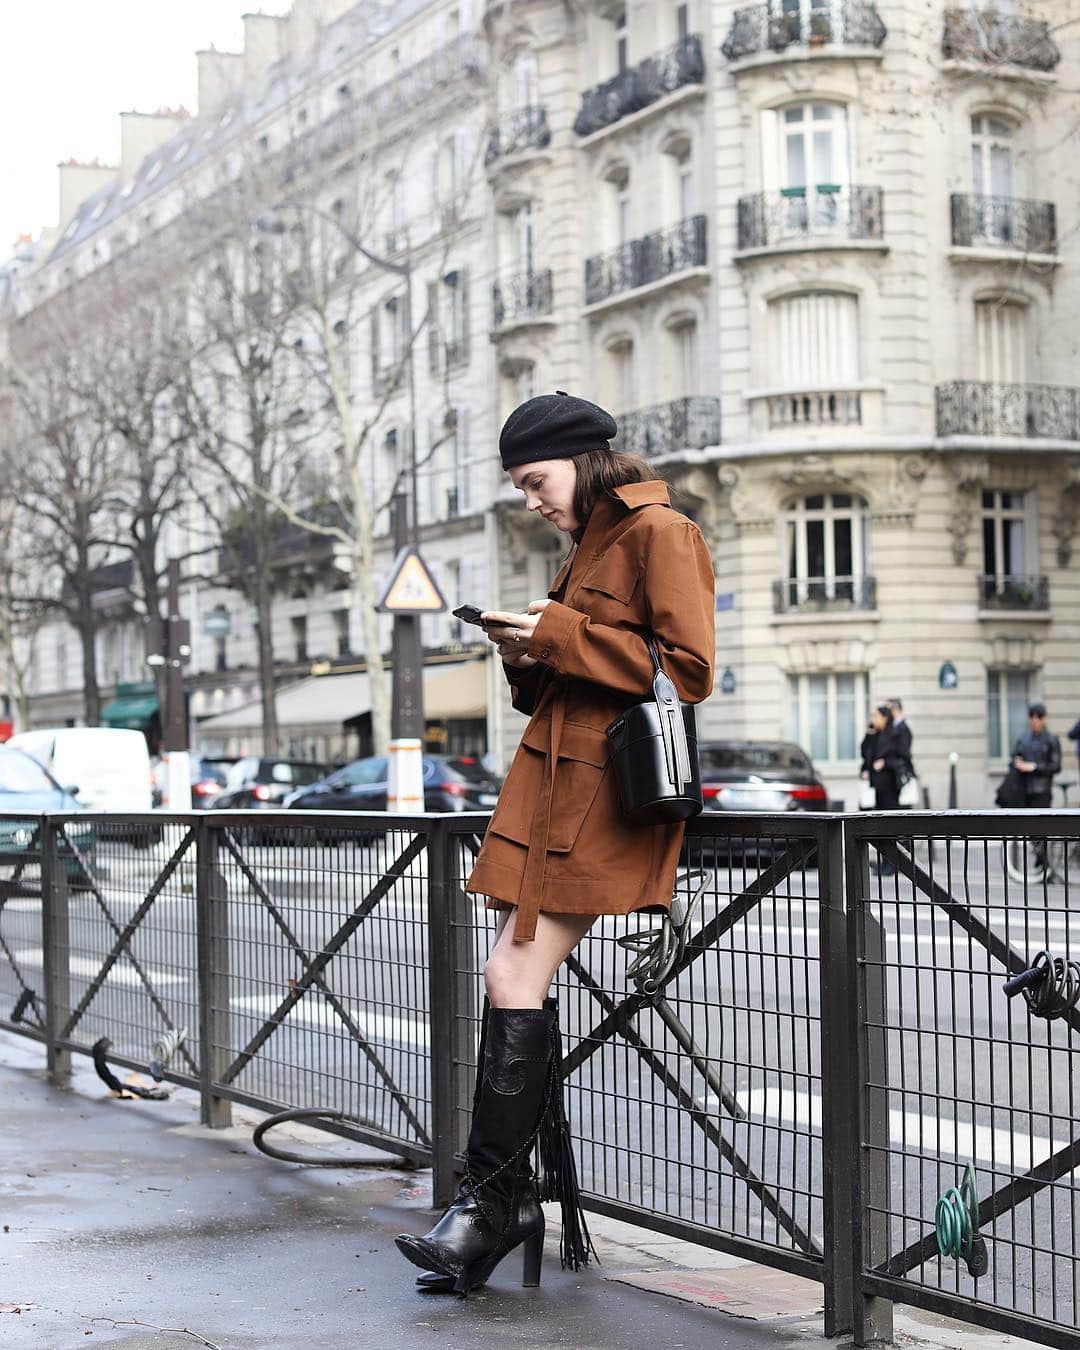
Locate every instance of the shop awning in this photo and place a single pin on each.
(328, 702)
(134, 706)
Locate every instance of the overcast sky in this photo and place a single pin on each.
(69, 67)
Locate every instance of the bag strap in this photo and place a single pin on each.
(672, 725)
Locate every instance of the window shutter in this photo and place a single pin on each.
(463, 315)
(815, 341)
(433, 326)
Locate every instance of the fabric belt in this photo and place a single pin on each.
(532, 878)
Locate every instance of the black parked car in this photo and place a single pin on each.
(363, 784)
(258, 783)
(750, 776)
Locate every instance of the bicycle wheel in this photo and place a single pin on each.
(1025, 860)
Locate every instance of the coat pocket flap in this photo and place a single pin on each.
(610, 575)
(585, 744)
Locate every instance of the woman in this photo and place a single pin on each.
(887, 763)
(558, 850)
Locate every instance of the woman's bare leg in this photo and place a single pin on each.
(519, 974)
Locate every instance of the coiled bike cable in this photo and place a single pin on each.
(1050, 986)
(318, 1113)
(956, 1223)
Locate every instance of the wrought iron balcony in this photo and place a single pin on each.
(1014, 592)
(765, 28)
(816, 408)
(525, 129)
(641, 261)
(685, 424)
(822, 594)
(823, 212)
(648, 82)
(991, 37)
(437, 71)
(1003, 222)
(1038, 411)
(520, 298)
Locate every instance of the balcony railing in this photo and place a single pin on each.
(796, 214)
(1003, 222)
(641, 261)
(816, 408)
(816, 594)
(463, 56)
(520, 298)
(977, 408)
(993, 38)
(648, 82)
(525, 129)
(1014, 592)
(765, 28)
(685, 424)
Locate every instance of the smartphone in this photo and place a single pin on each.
(470, 614)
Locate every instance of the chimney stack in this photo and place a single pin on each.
(142, 132)
(220, 75)
(264, 43)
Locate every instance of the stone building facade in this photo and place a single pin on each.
(821, 262)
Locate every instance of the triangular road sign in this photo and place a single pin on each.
(411, 588)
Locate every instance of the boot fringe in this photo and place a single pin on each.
(558, 1171)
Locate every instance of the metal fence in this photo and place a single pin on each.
(336, 962)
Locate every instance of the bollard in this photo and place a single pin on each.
(953, 761)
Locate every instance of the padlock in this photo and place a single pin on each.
(977, 1258)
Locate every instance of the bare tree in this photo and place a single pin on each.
(243, 414)
(62, 478)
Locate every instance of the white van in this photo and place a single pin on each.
(108, 768)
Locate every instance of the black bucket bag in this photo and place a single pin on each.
(654, 751)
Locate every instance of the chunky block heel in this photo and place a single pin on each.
(533, 1259)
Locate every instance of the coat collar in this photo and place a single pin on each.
(652, 493)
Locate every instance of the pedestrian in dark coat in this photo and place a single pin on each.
(888, 763)
(1074, 735)
(1037, 755)
(904, 737)
(558, 849)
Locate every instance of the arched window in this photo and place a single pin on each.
(806, 161)
(523, 81)
(992, 155)
(814, 351)
(680, 191)
(826, 547)
(618, 375)
(680, 374)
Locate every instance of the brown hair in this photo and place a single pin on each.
(599, 472)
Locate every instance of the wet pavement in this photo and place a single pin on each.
(127, 1223)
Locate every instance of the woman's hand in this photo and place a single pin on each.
(879, 764)
(512, 633)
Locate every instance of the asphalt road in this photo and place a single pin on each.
(959, 1073)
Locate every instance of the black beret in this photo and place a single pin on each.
(554, 426)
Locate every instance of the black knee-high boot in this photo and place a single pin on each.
(517, 1103)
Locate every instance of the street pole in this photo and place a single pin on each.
(405, 792)
(177, 651)
(954, 759)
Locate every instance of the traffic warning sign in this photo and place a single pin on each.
(411, 588)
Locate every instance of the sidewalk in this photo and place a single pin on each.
(122, 1212)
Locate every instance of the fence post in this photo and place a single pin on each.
(868, 1162)
(212, 939)
(451, 998)
(839, 1135)
(56, 950)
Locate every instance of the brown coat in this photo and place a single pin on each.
(641, 566)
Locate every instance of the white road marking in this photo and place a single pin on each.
(119, 973)
(314, 1011)
(1000, 1148)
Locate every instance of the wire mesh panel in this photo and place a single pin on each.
(129, 964)
(970, 1094)
(318, 969)
(692, 1050)
(22, 982)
